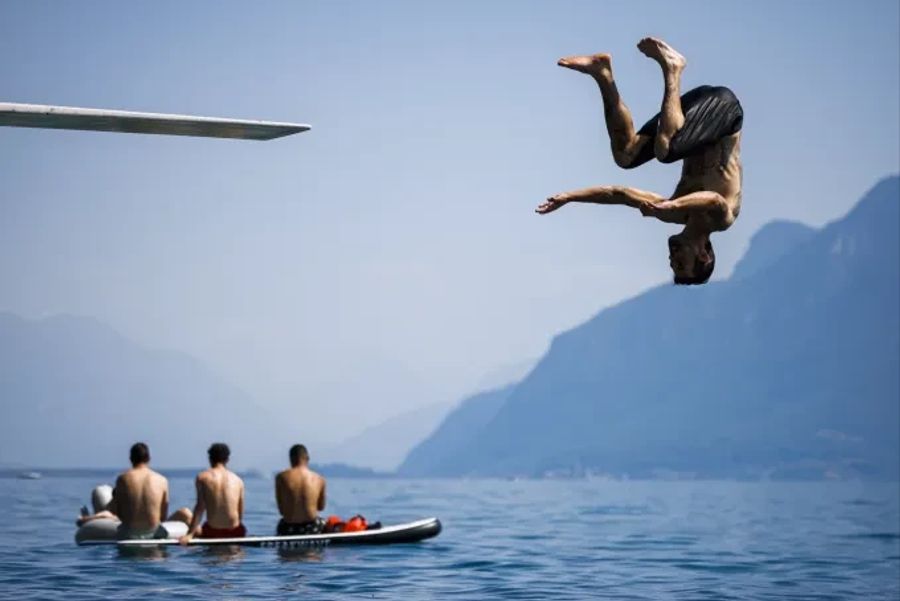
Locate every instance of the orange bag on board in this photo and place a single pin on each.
(355, 524)
(334, 524)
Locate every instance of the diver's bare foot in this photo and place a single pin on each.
(662, 53)
(598, 65)
(552, 203)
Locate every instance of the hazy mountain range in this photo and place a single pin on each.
(383, 446)
(437, 455)
(789, 369)
(75, 392)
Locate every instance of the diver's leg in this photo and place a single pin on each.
(671, 117)
(605, 195)
(626, 144)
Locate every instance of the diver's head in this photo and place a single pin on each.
(692, 258)
(101, 497)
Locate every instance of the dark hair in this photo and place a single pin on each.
(218, 453)
(298, 453)
(702, 271)
(140, 453)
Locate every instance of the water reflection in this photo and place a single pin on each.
(222, 554)
(300, 555)
(142, 553)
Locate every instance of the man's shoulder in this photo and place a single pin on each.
(131, 474)
(123, 479)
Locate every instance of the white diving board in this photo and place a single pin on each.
(67, 117)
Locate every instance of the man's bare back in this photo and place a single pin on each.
(300, 493)
(141, 496)
(222, 492)
(220, 495)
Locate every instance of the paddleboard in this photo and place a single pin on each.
(386, 535)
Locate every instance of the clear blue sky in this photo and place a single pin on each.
(390, 258)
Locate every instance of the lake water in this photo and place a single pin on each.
(501, 539)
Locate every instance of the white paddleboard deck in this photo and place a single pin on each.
(399, 533)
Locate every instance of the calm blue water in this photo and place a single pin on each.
(526, 540)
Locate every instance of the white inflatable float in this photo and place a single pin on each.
(106, 531)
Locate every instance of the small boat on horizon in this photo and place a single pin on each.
(256, 473)
(30, 476)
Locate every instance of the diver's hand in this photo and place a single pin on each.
(184, 540)
(552, 203)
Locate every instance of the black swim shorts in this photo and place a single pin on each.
(710, 114)
(315, 526)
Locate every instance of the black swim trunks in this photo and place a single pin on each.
(315, 526)
(710, 114)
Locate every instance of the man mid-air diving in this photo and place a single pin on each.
(702, 128)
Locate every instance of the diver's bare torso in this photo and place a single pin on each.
(717, 169)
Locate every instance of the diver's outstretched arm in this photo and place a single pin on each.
(680, 208)
(604, 195)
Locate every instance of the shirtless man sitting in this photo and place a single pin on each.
(140, 499)
(300, 493)
(220, 494)
(702, 128)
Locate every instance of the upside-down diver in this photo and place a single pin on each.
(702, 128)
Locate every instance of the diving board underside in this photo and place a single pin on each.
(66, 117)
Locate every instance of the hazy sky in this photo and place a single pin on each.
(390, 257)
